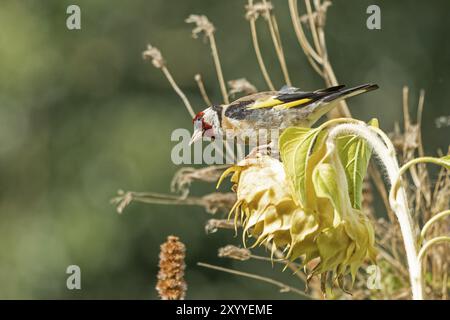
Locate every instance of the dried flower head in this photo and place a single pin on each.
(241, 86)
(154, 54)
(171, 284)
(122, 200)
(257, 9)
(202, 25)
(234, 252)
(407, 141)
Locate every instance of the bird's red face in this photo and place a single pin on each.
(201, 128)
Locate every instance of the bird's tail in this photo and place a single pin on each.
(333, 95)
(350, 92)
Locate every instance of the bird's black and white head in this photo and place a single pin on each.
(207, 124)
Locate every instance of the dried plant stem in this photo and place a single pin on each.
(331, 80)
(284, 67)
(430, 222)
(407, 166)
(178, 91)
(428, 244)
(262, 66)
(280, 258)
(291, 265)
(427, 194)
(304, 43)
(407, 128)
(312, 58)
(385, 151)
(439, 180)
(342, 110)
(406, 116)
(445, 283)
(211, 202)
(318, 58)
(312, 26)
(259, 56)
(215, 54)
(276, 39)
(386, 256)
(283, 287)
(203, 25)
(201, 88)
(419, 121)
(256, 257)
(154, 54)
(159, 198)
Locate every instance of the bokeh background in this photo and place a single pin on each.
(82, 115)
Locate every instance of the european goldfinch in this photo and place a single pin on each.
(270, 110)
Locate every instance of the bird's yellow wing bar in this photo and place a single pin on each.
(278, 104)
(291, 104)
(268, 103)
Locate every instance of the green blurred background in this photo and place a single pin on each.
(82, 115)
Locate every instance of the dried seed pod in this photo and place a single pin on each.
(171, 284)
(153, 54)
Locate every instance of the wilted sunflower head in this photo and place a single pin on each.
(264, 205)
(304, 205)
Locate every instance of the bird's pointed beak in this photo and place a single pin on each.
(197, 135)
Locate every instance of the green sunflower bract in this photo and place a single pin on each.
(309, 204)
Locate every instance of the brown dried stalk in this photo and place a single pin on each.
(212, 202)
(201, 88)
(276, 38)
(283, 287)
(158, 62)
(317, 56)
(226, 224)
(203, 25)
(243, 254)
(171, 284)
(252, 14)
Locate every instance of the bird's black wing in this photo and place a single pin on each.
(290, 97)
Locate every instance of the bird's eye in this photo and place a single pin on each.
(198, 123)
(198, 117)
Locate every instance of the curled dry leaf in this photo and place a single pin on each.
(234, 252)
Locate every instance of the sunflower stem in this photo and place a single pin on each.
(384, 149)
